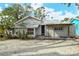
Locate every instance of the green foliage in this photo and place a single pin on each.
(11, 14)
(16, 12)
(69, 4)
(39, 12)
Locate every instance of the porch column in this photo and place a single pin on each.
(45, 31)
(34, 32)
(68, 31)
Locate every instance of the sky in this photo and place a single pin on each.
(55, 10)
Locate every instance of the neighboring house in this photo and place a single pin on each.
(76, 23)
(36, 27)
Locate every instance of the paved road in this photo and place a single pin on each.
(40, 48)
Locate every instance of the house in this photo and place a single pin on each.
(76, 23)
(36, 27)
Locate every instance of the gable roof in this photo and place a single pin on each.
(44, 22)
(26, 18)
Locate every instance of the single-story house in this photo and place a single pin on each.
(49, 28)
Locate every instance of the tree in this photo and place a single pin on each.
(13, 13)
(39, 13)
(69, 4)
(16, 10)
(7, 17)
(27, 10)
(76, 4)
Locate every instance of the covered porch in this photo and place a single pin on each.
(59, 30)
(56, 31)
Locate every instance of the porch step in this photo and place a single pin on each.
(51, 38)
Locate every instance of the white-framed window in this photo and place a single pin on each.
(30, 31)
(58, 28)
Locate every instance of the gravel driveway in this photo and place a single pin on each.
(39, 47)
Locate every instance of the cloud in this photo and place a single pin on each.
(52, 13)
(58, 15)
(77, 12)
(69, 14)
(6, 5)
(1, 9)
(36, 5)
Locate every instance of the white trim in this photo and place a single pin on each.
(34, 32)
(40, 29)
(45, 30)
(26, 18)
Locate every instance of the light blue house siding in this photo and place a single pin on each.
(76, 23)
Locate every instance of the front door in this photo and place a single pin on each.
(42, 30)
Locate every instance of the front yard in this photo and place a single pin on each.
(39, 47)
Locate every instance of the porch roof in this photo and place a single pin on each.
(47, 22)
(29, 26)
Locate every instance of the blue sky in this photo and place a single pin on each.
(56, 6)
(59, 9)
(3, 5)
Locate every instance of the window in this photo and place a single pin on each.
(58, 28)
(30, 30)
